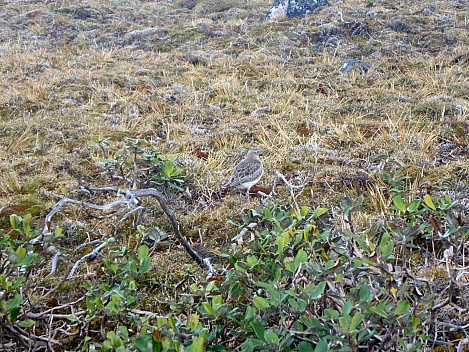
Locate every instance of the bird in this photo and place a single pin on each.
(248, 172)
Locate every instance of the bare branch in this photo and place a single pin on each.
(130, 200)
(291, 187)
(54, 262)
(91, 255)
(153, 192)
(126, 216)
(454, 326)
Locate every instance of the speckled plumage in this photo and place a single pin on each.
(248, 172)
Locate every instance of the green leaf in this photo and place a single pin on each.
(210, 287)
(268, 214)
(399, 203)
(26, 323)
(322, 346)
(177, 172)
(301, 257)
(198, 343)
(259, 329)
(252, 261)
(346, 204)
(157, 346)
(261, 302)
(4, 282)
(15, 221)
(251, 345)
(356, 320)
(339, 278)
(329, 265)
(301, 305)
(250, 313)
(144, 266)
(331, 313)
(304, 346)
(172, 323)
(208, 308)
(304, 211)
(386, 246)
(141, 344)
(345, 320)
(129, 300)
(90, 304)
(290, 265)
(279, 241)
(414, 205)
(271, 337)
(143, 252)
(18, 283)
(293, 303)
(217, 300)
(239, 266)
(15, 301)
(20, 252)
(14, 314)
(26, 224)
(347, 308)
(379, 309)
(402, 308)
(167, 168)
(358, 203)
(320, 211)
(416, 324)
(193, 321)
(364, 292)
(318, 290)
(114, 267)
(429, 201)
(28, 260)
(123, 331)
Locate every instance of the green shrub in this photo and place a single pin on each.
(18, 261)
(137, 161)
(294, 280)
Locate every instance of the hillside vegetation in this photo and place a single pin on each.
(362, 246)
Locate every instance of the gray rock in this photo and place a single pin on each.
(294, 8)
(353, 64)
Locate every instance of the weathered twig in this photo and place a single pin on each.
(291, 187)
(54, 262)
(153, 192)
(30, 339)
(463, 344)
(146, 312)
(93, 254)
(48, 312)
(66, 200)
(54, 316)
(92, 243)
(126, 216)
(130, 200)
(454, 326)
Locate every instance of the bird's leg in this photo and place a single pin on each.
(247, 195)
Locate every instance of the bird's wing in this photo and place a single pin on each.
(245, 171)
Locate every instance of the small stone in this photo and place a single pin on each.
(351, 64)
(403, 99)
(294, 8)
(50, 250)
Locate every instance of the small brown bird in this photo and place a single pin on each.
(248, 172)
